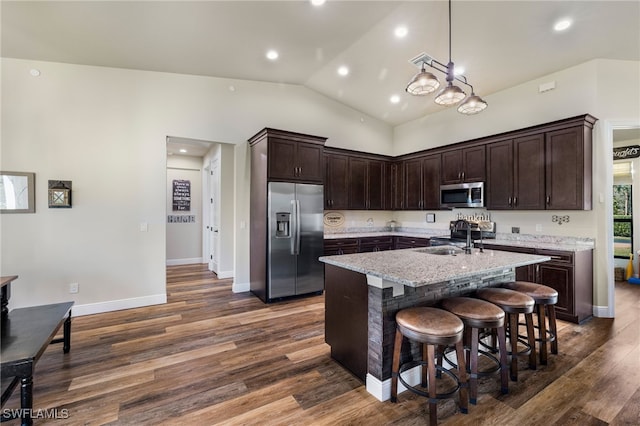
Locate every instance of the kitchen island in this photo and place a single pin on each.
(364, 291)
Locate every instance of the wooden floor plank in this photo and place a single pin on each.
(213, 356)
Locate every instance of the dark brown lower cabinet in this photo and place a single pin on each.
(346, 316)
(368, 244)
(340, 246)
(569, 273)
(410, 242)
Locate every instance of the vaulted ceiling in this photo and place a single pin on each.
(499, 43)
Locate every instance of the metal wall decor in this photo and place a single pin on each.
(60, 194)
(560, 219)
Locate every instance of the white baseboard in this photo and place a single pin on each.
(382, 389)
(237, 287)
(186, 261)
(225, 274)
(602, 312)
(117, 305)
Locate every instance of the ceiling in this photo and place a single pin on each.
(500, 43)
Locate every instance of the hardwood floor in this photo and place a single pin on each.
(209, 356)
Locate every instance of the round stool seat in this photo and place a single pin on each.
(541, 294)
(475, 312)
(430, 325)
(510, 301)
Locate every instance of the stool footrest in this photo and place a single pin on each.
(443, 395)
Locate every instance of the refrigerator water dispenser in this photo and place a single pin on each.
(283, 225)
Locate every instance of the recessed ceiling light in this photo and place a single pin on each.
(34, 72)
(394, 99)
(272, 55)
(401, 31)
(562, 25)
(317, 2)
(182, 150)
(343, 70)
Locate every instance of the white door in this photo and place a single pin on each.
(214, 211)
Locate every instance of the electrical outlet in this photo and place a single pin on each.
(515, 229)
(73, 288)
(538, 228)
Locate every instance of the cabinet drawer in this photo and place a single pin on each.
(411, 242)
(340, 246)
(376, 240)
(557, 256)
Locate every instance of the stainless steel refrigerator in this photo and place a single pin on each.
(295, 240)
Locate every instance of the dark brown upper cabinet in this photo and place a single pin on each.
(515, 174)
(336, 186)
(292, 157)
(463, 165)
(421, 183)
(568, 171)
(366, 184)
(394, 186)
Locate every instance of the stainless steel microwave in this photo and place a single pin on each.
(462, 195)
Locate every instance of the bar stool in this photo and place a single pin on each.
(478, 315)
(431, 327)
(545, 299)
(514, 303)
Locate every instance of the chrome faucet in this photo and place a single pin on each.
(460, 225)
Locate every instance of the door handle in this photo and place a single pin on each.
(216, 231)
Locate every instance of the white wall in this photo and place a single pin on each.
(105, 130)
(184, 240)
(607, 89)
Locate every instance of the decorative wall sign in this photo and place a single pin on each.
(181, 195)
(624, 152)
(60, 194)
(172, 218)
(17, 192)
(333, 219)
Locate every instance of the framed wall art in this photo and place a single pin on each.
(17, 192)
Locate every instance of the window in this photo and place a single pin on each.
(622, 221)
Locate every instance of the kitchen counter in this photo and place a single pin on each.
(544, 242)
(364, 291)
(417, 267)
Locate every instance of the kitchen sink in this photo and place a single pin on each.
(442, 250)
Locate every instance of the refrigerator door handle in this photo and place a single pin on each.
(297, 228)
(294, 227)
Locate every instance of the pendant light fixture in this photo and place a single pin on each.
(425, 82)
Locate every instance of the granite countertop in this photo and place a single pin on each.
(544, 242)
(364, 234)
(415, 268)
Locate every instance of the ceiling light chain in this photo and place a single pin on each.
(425, 82)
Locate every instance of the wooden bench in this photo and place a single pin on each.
(26, 333)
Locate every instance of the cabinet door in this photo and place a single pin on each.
(528, 173)
(451, 167)
(565, 169)
(473, 164)
(336, 187)
(499, 188)
(559, 277)
(412, 171)
(309, 160)
(431, 182)
(281, 156)
(376, 185)
(395, 200)
(357, 183)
